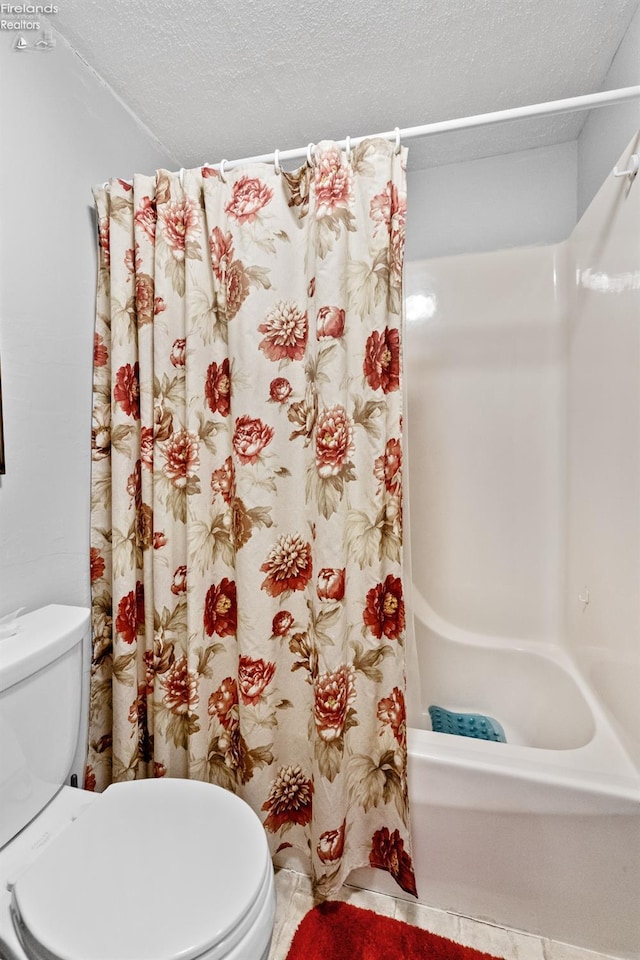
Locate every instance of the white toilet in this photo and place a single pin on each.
(149, 870)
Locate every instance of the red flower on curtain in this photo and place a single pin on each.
(100, 352)
(179, 584)
(127, 389)
(96, 564)
(248, 198)
(223, 480)
(289, 800)
(331, 582)
(181, 688)
(223, 703)
(285, 330)
(253, 677)
(282, 623)
(331, 844)
(388, 467)
(382, 360)
(220, 609)
(279, 390)
(334, 692)
(217, 387)
(288, 566)
(333, 181)
(178, 353)
(389, 208)
(177, 218)
(250, 436)
(182, 456)
(384, 611)
(130, 616)
(146, 217)
(388, 853)
(221, 251)
(334, 441)
(330, 323)
(391, 710)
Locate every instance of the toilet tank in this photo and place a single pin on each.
(40, 707)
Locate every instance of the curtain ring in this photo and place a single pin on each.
(310, 150)
(348, 148)
(182, 177)
(276, 162)
(398, 144)
(221, 170)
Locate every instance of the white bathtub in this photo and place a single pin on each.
(541, 833)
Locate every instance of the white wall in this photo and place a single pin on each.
(62, 132)
(603, 497)
(608, 130)
(513, 200)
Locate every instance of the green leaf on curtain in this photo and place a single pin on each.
(204, 654)
(320, 620)
(120, 210)
(366, 781)
(362, 538)
(207, 430)
(207, 320)
(392, 763)
(177, 727)
(367, 661)
(172, 622)
(209, 542)
(123, 320)
(120, 668)
(170, 389)
(127, 555)
(258, 277)
(282, 235)
(328, 754)
(366, 412)
(120, 437)
(101, 694)
(359, 163)
(125, 769)
(100, 492)
(366, 286)
(174, 271)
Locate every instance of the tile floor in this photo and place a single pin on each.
(295, 899)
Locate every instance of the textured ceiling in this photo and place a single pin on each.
(221, 79)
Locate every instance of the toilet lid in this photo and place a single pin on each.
(154, 870)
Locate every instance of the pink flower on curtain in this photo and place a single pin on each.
(100, 352)
(250, 437)
(132, 259)
(146, 447)
(333, 181)
(249, 196)
(177, 218)
(179, 583)
(289, 800)
(146, 217)
(331, 582)
(382, 360)
(130, 617)
(220, 609)
(223, 480)
(181, 688)
(388, 853)
(391, 710)
(334, 692)
(288, 566)
(330, 323)
(217, 387)
(389, 208)
(181, 453)
(285, 328)
(330, 845)
(384, 612)
(334, 441)
(388, 468)
(103, 232)
(127, 389)
(253, 677)
(221, 251)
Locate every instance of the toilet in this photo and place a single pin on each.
(161, 869)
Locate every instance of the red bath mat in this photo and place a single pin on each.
(337, 931)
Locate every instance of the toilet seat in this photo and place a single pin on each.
(154, 870)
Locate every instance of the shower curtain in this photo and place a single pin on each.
(246, 552)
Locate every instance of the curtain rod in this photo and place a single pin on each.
(569, 105)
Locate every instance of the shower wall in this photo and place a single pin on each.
(523, 373)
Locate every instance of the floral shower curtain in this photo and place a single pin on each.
(247, 597)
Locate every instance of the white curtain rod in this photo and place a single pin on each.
(570, 105)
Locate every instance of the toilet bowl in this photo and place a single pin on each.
(149, 870)
(163, 869)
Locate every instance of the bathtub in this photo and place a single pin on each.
(541, 833)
